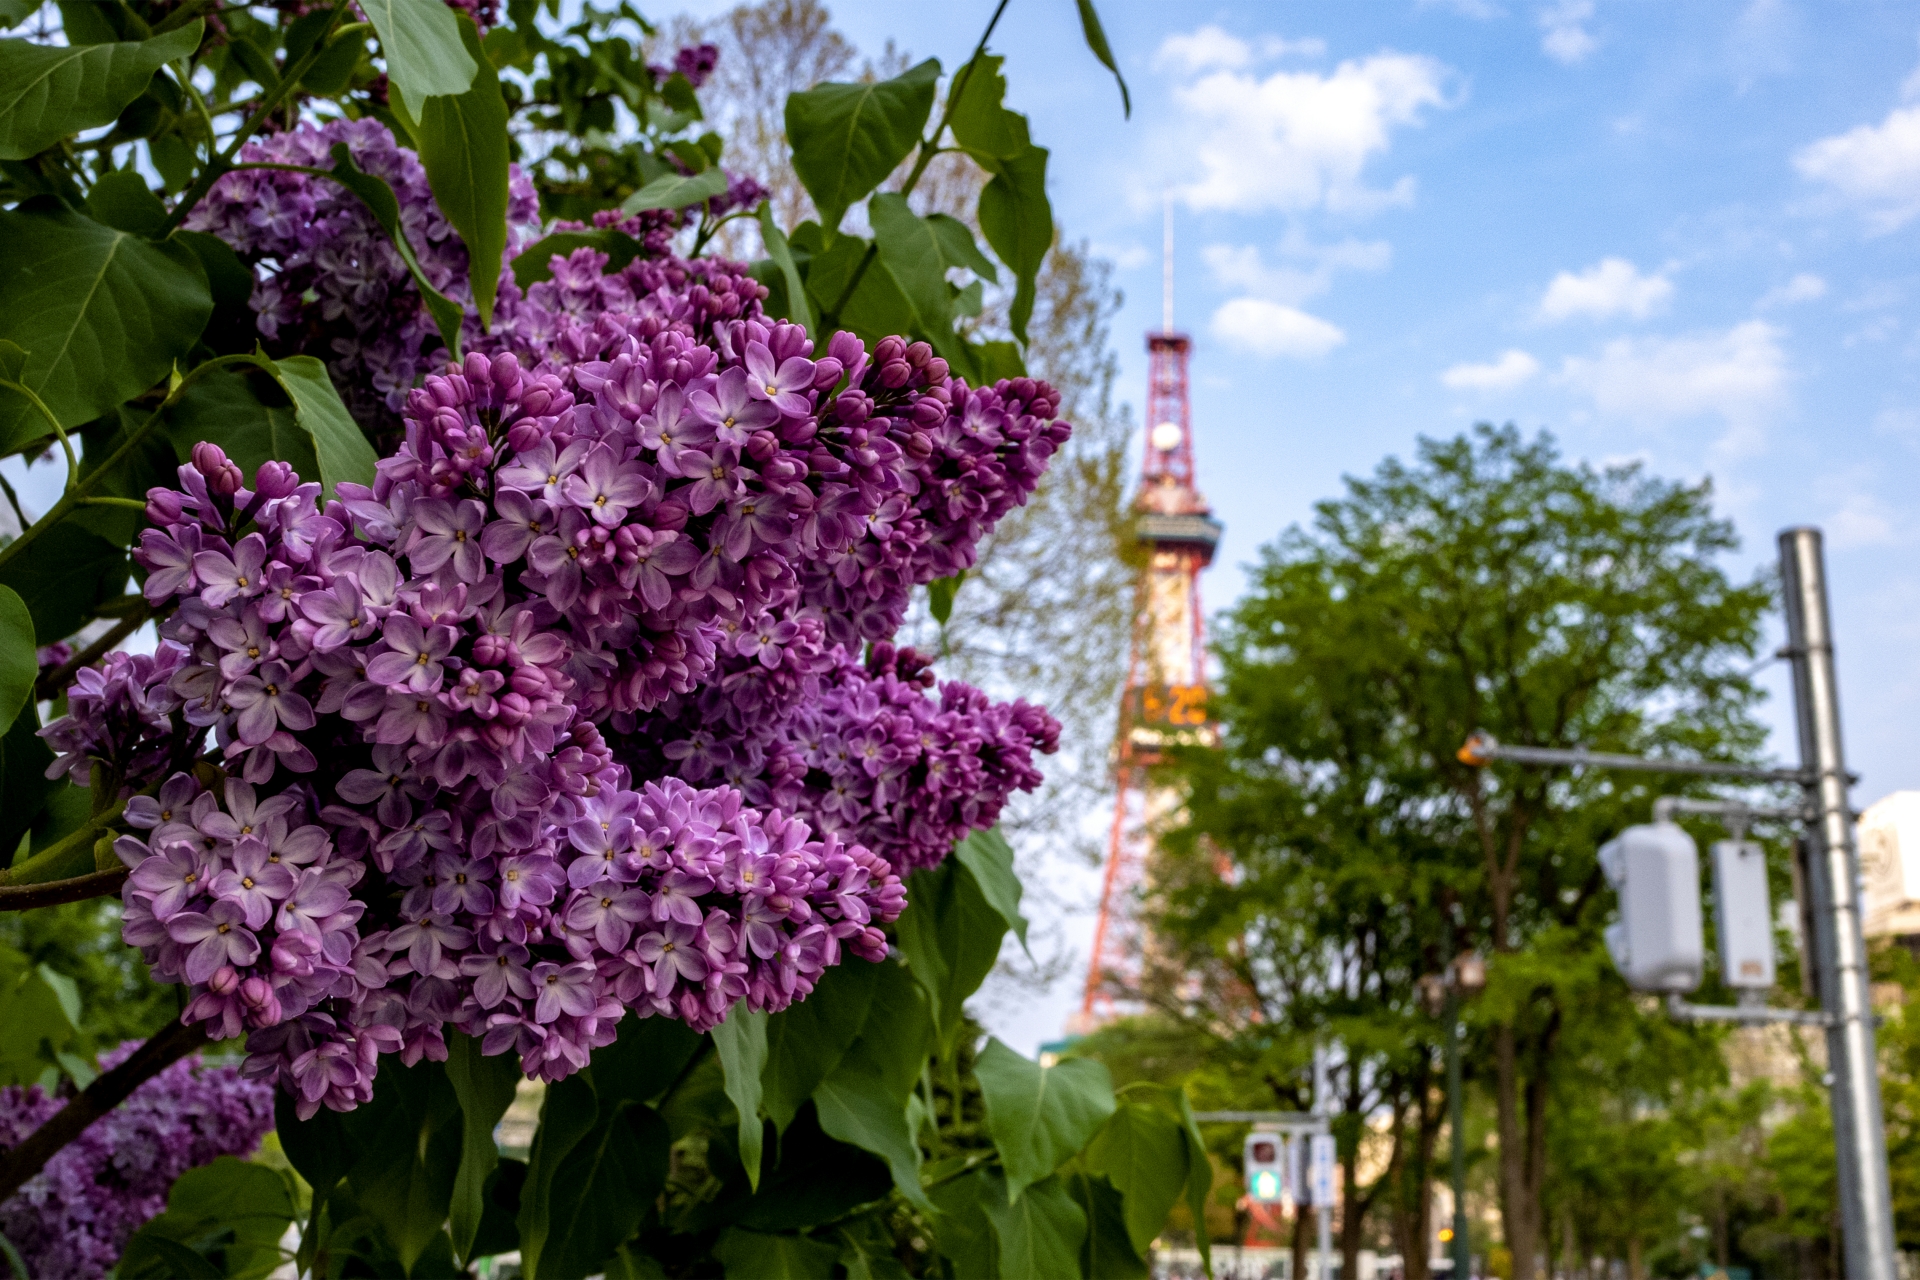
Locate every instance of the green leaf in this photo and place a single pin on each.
(499, 1223)
(484, 1085)
(782, 255)
(981, 122)
(50, 91)
(230, 1214)
(990, 858)
(151, 1256)
(817, 1179)
(1142, 1151)
(875, 309)
(847, 138)
(339, 445)
(910, 253)
(741, 1044)
(1199, 1176)
(407, 1142)
(231, 329)
(148, 463)
(603, 1189)
(1038, 1116)
(15, 12)
(644, 1061)
(319, 1148)
(62, 574)
(951, 936)
(676, 191)
(1015, 214)
(1040, 1233)
(1109, 1248)
(866, 1251)
(964, 1232)
(37, 1022)
(957, 247)
(102, 315)
(940, 594)
(19, 661)
(566, 1116)
(756, 1256)
(122, 200)
(1017, 219)
(248, 412)
(1097, 41)
(864, 1100)
(806, 1040)
(379, 198)
(462, 141)
(535, 263)
(333, 70)
(24, 785)
(425, 55)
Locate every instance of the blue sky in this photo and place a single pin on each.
(1677, 233)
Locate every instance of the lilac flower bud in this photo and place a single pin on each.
(165, 506)
(826, 373)
(274, 479)
(223, 477)
(224, 981)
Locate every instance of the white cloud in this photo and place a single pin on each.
(1611, 287)
(1305, 270)
(1509, 371)
(1564, 36)
(1300, 139)
(1739, 375)
(1200, 50)
(1480, 10)
(1875, 167)
(1804, 287)
(1860, 520)
(1269, 329)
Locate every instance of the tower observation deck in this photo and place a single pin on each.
(1165, 699)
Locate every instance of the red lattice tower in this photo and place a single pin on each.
(1165, 700)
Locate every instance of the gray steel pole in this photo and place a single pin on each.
(1859, 1132)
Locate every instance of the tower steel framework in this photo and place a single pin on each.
(1165, 700)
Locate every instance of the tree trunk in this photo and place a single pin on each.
(1302, 1232)
(1636, 1259)
(1353, 1217)
(1519, 1202)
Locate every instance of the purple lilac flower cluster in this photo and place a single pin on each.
(643, 508)
(860, 750)
(74, 1217)
(328, 280)
(463, 689)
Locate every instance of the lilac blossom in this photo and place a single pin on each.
(75, 1216)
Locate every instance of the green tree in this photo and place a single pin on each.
(1487, 585)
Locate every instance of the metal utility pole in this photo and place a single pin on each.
(1858, 1126)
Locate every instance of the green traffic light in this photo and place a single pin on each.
(1266, 1185)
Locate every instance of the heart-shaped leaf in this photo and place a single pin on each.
(50, 91)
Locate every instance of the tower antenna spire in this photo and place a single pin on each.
(1166, 265)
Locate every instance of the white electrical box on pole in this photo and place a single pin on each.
(1743, 916)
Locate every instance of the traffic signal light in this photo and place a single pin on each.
(1657, 942)
(1264, 1159)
